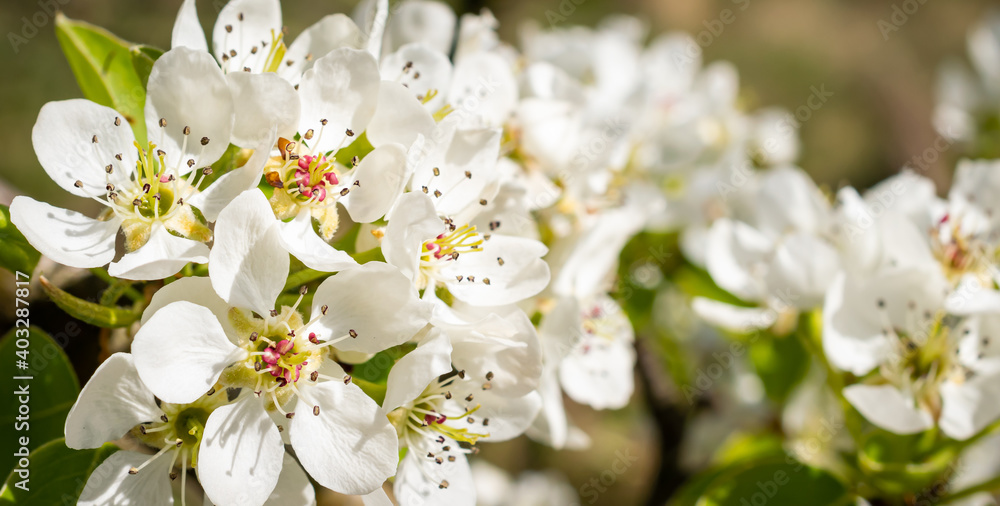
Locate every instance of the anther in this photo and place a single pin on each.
(468, 175)
(444, 484)
(232, 53)
(323, 121)
(344, 192)
(290, 415)
(160, 152)
(210, 392)
(500, 261)
(274, 312)
(187, 130)
(173, 476)
(437, 171)
(347, 381)
(489, 376)
(309, 134)
(204, 141)
(424, 188)
(118, 121)
(78, 184)
(146, 188)
(118, 157)
(486, 281)
(482, 202)
(303, 290)
(316, 410)
(353, 334)
(314, 376)
(133, 470)
(94, 139)
(163, 122)
(468, 398)
(355, 160)
(437, 193)
(357, 182)
(229, 28)
(239, 16)
(349, 132)
(323, 309)
(253, 337)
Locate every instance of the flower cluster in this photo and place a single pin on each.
(484, 195)
(369, 249)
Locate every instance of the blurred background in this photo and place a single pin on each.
(882, 78)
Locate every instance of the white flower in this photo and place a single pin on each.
(261, 70)
(90, 151)
(779, 257)
(192, 340)
(440, 416)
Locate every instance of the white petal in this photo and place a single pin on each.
(111, 483)
(334, 31)
(598, 372)
(241, 454)
(113, 402)
(967, 408)
(413, 221)
(483, 90)
(299, 238)
(432, 23)
(163, 255)
(733, 318)
(262, 102)
(466, 161)
(187, 89)
(376, 498)
(399, 117)
(790, 200)
(887, 407)
(416, 486)
(550, 426)
(595, 256)
(734, 248)
(375, 301)
(522, 274)
(293, 486)
(801, 270)
(506, 348)
(350, 447)
(63, 137)
(509, 417)
(371, 16)
(381, 174)
(187, 29)
(248, 264)
(260, 24)
(431, 68)
(412, 373)
(65, 236)
(194, 289)
(341, 88)
(223, 190)
(181, 351)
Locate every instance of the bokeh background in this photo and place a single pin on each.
(878, 118)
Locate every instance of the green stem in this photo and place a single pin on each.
(112, 282)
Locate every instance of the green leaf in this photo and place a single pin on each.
(89, 312)
(58, 474)
(896, 464)
(16, 255)
(143, 58)
(697, 282)
(781, 363)
(373, 375)
(104, 69)
(52, 389)
(775, 481)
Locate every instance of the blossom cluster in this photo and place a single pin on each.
(411, 197)
(484, 195)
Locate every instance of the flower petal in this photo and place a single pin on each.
(111, 482)
(733, 249)
(113, 402)
(163, 255)
(738, 319)
(263, 103)
(521, 274)
(64, 140)
(248, 264)
(65, 236)
(293, 486)
(412, 373)
(223, 190)
(887, 407)
(299, 238)
(375, 302)
(432, 23)
(508, 417)
(449, 483)
(399, 117)
(181, 351)
(422, 69)
(187, 29)
(333, 31)
(241, 26)
(188, 90)
(349, 447)
(504, 348)
(411, 222)
(381, 176)
(241, 454)
(967, 408)
(341, 88)
(483, 89)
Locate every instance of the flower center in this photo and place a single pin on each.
(308, 179)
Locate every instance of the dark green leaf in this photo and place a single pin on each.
(775, 481)
(53, 388)
(104, 69)
(89, 312)
(143, 58)
(16, 255)
(58, 475)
